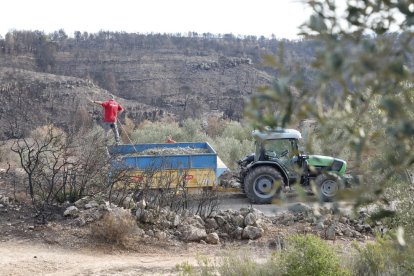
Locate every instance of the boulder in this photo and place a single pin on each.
(141, 204)
(212, 238)
(257, 212)
(238, 220)
(139, 232)
(367, 228)
(347, 232)
(80, 203)
(330, 232)
(278, 242)
(4, 200)
(199, 220)
(148, 217)
(299, 208)
(359, 227)
(191, 233)
(250, 219)
(288, 219)
(79, 222)
(244, 211)
(165, 224)
(139, 212)
(220, 220)
(262, 224)
(91, 215)
(71, 211)
(252, 232)
(233, 183)
(91, 204)
(211, 223)
(176, 221)
(320, 225)
(128, 203)
(150, 233)
(237, 233)
(344, 220)
(160, 235)
(192, 220)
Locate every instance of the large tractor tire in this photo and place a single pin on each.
(328, 186)
(262, 184)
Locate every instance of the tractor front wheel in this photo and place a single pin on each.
(328, 186)
(262, 184)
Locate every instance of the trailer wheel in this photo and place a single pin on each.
(262, 184)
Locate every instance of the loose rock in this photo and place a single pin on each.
(238, 220)
(213, 238)
(250, 219)
(192, 233)
(71, 211)
(299, 208)
(252, 233)
(211, 223)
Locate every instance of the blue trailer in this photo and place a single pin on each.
(197, 170)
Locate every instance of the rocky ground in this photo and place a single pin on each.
(74, 232)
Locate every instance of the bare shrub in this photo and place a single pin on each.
(61, 166)
(115, 226)
(206, 202)
(158, 185)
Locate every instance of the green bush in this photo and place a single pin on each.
(309, 255)
(237, 131)
(384, 257)
(231, 150)
(157, 132)
(193, 131)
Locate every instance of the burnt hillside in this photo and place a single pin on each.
(156, 73)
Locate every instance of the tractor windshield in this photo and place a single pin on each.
(282, 149)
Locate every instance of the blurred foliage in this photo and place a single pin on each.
(403, 207)
(384, 257)
(361, 97)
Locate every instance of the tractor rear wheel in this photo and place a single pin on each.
(328, 186)
(262, 184)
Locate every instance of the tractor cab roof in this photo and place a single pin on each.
(280, 133)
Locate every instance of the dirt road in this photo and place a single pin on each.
(24, 258)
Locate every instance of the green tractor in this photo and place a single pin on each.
(278, 163)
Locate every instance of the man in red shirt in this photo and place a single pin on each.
(111, 111)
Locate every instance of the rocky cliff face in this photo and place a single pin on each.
(30, 99)
(172, 81)
(154, 75)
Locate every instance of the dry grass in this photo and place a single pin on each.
(114, 227)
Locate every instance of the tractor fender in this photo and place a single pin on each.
(273, 164)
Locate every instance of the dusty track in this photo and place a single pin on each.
(24, 258)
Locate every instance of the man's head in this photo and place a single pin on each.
(111, 96)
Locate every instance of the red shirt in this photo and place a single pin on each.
(111, 109)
